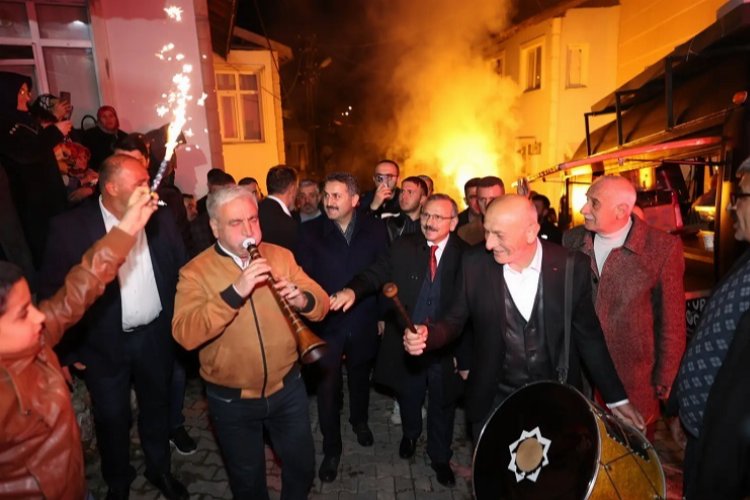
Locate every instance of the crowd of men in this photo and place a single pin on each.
(483, 292)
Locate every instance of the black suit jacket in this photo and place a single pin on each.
(406, 264)
(97, 340)
(480, 296)
(277, 227)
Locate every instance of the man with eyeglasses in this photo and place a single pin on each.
(424, 266)
(382, 202)
(712, 387)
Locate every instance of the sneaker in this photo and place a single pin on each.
(396, 415)
(182, 442)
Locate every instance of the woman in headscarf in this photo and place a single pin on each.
(101, 139)
(26, 153)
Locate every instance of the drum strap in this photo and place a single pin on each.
(562, 366)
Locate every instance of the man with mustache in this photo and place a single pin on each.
(424, 266)
(332, 250)
(636, 282)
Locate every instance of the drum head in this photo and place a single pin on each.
(541, 442)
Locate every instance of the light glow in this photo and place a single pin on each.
(174, 12)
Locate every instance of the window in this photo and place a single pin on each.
(239, 106)
(52, 45)
(577, 66)
(531, 67)
(500, 64)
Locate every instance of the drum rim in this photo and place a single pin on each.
(578, 393)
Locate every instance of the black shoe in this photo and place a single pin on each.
(364, 434)
(181, 440)
(170, 487)
(444, 474)
(118, 494)
(407, 447)
(329, 468)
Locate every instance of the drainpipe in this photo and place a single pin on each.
(555, 63)
(207, 73)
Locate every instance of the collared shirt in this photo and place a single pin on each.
(139, 294)
(441, 248)
(605, 243)
(523, 285)
(283, 206)
(349, 231)
(241, 263)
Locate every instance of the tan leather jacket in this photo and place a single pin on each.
(40, 448)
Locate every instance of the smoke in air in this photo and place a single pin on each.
(453, 116)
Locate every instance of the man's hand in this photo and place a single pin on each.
(255, 273)
(382, 193)
(629, 414)
(141, 204)
(415, 343)
(62, 109)
(291, 293)
(342, 300)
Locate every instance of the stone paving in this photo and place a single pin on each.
(375, 472)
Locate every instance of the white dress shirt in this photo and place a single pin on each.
(523, 285)
(441, 248)
(139, 294)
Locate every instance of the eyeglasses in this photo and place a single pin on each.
(733, 197)
(440, 218)
(379, 178)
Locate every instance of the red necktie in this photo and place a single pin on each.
(433, 262)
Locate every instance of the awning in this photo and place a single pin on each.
(640, 155)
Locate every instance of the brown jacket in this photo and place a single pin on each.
(640, 301)
(40, 446)
(244, 344)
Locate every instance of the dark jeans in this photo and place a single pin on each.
(239, 425)
(330, 393)
(148, 368)
(177, 392)
(440, 416)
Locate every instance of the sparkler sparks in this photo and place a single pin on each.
(174, 12)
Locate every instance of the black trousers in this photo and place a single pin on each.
(147, 366)
(440, 416)
(239, 425)
(330, 388)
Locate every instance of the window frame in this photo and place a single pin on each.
(584, 66)
(237, 94)
(526, 50)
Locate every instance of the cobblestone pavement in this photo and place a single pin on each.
(375, 472)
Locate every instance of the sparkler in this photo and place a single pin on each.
(177, 99)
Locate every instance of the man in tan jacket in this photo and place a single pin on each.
(225, 307)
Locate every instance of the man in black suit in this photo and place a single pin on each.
(125, 337)
(547, 229)
(424, 266)
(278, 224)
(382, 202)
(517, 312)
(332, 250)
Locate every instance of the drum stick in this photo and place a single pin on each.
(390, 290)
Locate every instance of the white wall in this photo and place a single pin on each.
(127, 35)
(253, 159)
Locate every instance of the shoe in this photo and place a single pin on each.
(407, 447)
(444, 474)
(170, 487)
(364, 434)
(183, 443)
(329, 468)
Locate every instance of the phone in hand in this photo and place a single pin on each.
(65, 97)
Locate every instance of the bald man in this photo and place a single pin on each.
(512, 290)
(636, 274)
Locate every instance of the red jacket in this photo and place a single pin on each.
(640, 302)
(40, 446)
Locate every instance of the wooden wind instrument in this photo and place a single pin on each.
(309, 346)
(390, 290)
